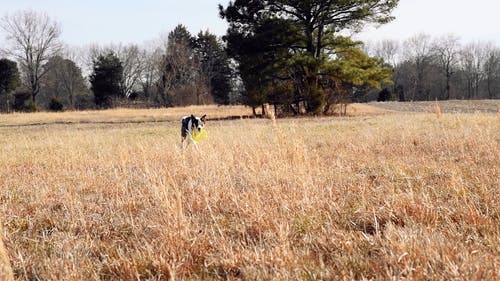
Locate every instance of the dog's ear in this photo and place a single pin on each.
(192, 116)
(203, 118)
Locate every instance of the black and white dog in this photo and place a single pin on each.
(189, 124)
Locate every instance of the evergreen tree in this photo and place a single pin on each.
(9, 80)
(9, 76)
(214, 65)
(182, 81)
(106, 80)
(180, 35)
(264, 56)
(301, 41)
(351, 71)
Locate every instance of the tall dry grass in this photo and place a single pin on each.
(120, 115)
(372, 197)
(5, 268)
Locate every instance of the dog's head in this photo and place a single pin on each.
(198, 122)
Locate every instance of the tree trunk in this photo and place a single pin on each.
(448, 86)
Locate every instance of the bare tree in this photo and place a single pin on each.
(152, 72)
(64, 81)
(492, 71)
(388, 50)
(182, 82)
(134, 66)
(417, 50)
(80, 56)
(33, 39)
(472, 59)
(446, 49)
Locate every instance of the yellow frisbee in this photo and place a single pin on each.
(199, 136)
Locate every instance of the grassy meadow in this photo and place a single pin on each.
(379, 195)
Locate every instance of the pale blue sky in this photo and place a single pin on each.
(127, 21)
(477, 20)
(123, 21)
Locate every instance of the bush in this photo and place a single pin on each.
(31, 107)
(55, 104)
(385, 95)
(20, 101)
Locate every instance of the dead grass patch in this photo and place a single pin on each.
(369, 197)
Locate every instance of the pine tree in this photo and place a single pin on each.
(214, 66)
(180, 82)
(106, 80)
(9, 76)
(9, 80)
(299, 44)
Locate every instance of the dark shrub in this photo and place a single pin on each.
(385, 95)
(21, 101)
(55, 105)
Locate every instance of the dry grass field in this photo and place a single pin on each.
(118, 116)
(110, 196)
(450, 106)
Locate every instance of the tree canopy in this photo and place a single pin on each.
(214, 65)
(296, 41)
(64, 81)
(9, 76)
(33, 39)
(106, 79)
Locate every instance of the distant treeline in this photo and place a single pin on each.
(43, 74)
(265, 60)
(441, 68)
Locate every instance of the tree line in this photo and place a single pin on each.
(291, 54)
(439, 68)
(39, 72)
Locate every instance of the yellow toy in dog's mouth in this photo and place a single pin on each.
(199, 136)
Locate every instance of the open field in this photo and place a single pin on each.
(450, 106)
(117, 116)
(373, 196)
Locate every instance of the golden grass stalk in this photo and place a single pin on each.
(437, 109)
(5, 268)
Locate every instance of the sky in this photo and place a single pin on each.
(87, 22)
(472, 21)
